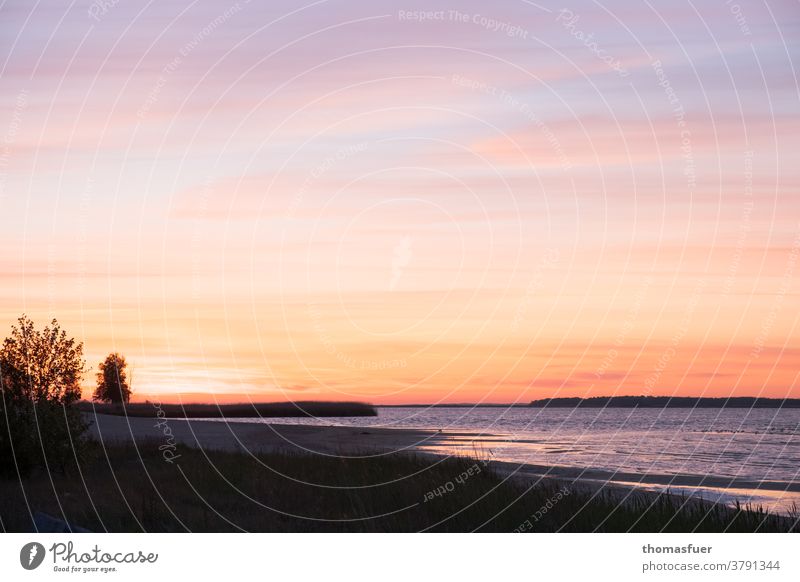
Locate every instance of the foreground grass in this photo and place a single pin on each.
(127, 490)
(243, 410)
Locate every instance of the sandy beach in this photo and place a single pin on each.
(344, 441)
(325, 440)
(254, 437)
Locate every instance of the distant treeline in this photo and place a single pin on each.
(666, 402)
(243, 410)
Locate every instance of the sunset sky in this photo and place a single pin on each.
(345, 200)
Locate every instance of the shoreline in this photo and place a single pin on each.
(364, 442)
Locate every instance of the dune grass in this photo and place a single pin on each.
(131, 491)
(241, 410)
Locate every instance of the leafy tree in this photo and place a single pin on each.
(41, 365)
(40, 374)
(112, 381)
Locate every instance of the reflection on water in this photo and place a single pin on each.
(745, 454)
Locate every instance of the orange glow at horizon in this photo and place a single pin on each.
(372, 213)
